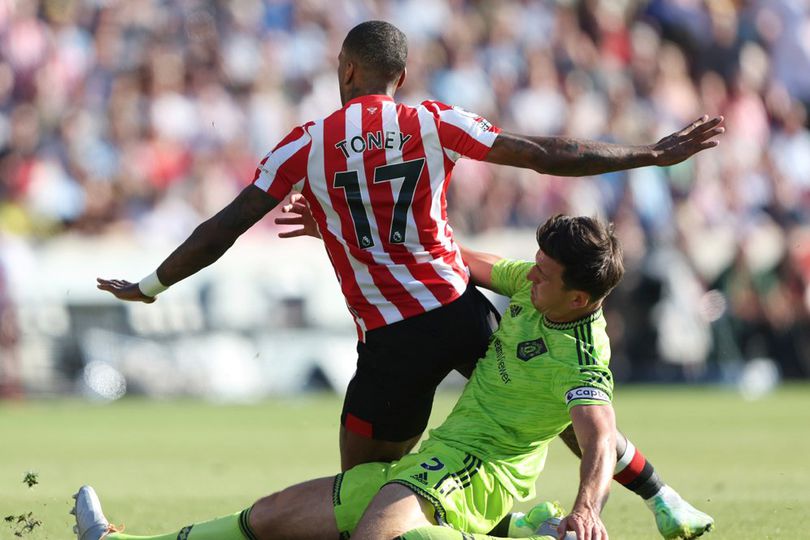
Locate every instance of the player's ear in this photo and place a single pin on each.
(580, 299)
(348, 74)
(402, 77)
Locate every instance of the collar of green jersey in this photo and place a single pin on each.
(571, 324)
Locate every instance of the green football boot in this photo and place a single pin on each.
(676, 518)
(541, 520)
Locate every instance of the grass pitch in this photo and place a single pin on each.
(161, 465)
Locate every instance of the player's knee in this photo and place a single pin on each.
(394, 510)
(268, 513)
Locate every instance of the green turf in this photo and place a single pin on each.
(161, 465)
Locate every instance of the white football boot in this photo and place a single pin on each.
(676, 518)
(90, 521)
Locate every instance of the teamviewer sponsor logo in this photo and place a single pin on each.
(586, 392)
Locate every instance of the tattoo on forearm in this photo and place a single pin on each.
(568, 157)
(572, 147)
(579, 158)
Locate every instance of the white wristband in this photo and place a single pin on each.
(151, 285)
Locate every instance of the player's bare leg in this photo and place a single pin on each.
(356, 449)
(674, 517)
(303, 511)
(394, 511)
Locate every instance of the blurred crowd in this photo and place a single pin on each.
(146, 116)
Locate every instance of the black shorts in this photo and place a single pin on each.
(400, 365)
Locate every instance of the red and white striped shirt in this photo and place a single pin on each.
(375, 174)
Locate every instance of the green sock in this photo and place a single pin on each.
(233, 527)
(436, 532)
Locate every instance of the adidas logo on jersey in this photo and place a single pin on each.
(421, 478)
(515, 310)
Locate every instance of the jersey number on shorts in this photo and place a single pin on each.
(435, 466)
(349, 181)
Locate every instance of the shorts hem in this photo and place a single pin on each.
(338, 481)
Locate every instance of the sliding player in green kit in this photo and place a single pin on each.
(546, 367)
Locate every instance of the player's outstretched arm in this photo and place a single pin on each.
(209, 241)
(564, 156)
(595, 428)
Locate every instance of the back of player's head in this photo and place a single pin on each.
(379, 47)
(588, 251)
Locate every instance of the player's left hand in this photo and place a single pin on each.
(124, 290)
(301, 215)
(681, 145)
(586, 525)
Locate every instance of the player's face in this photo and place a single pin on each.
(549, 294)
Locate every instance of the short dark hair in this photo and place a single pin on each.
(378, 46)
(588, 251)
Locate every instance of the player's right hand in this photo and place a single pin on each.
(699, 135)
(303, 217)
(585, 525)
(124, 290)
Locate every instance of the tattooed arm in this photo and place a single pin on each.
(572, 157)
(209, 241)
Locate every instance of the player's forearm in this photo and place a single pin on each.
(595, 429)
(215, 236)
(204, 247)
(566, 156)
(480, 265)
(596, 473)
(573, 157)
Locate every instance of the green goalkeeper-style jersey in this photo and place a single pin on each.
(520, 393)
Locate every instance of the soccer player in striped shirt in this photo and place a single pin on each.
(375, 174)
(546, 368)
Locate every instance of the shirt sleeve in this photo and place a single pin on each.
(585, 385)
(285, 165)
(509, 276)
(461, 132)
